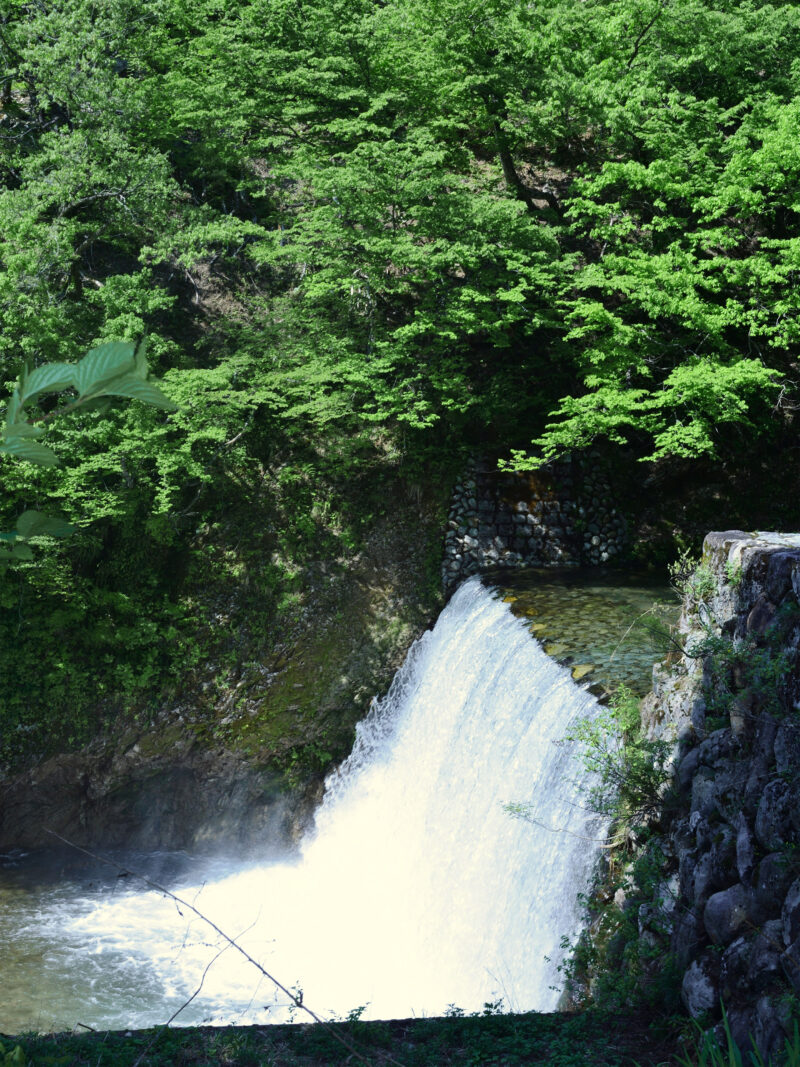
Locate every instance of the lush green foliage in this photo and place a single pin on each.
(431, 212)
(692, 580)
(624, 775)
(116, 369)
(627, 773)
(362, 236)
(488, 1040)
(14, 1057)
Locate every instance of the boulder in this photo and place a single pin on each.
(687, 768)
(704, 792)
(700, 985)
(734, 968)
(745, 849)
(769, 1028)
(709, 876)
(765, 957)
(761, 615)
(726, 914)
(741, 1020)
(716, 748)
(770, 885)
(762, 758)
(688, 936)
(778, 580)
(790, 962)
(787, 748)
(773, 818)
(790, 914)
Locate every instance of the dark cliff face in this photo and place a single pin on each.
(248, 771)
(732, 846)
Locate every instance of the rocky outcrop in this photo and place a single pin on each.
(154, 791)
(245, 771)
(728, 703)
(562, 515)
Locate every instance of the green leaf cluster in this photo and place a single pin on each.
(117, 369)
(628, 775)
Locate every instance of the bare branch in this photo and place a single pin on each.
(175, 1014)
(231, 943)
(644, 32)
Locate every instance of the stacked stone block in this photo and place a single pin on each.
(733, 844)
(561, 516)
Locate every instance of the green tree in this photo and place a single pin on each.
(682, 311)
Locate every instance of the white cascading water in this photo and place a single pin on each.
(417, 890)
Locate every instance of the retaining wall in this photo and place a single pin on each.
(729, 906)
(562, 515)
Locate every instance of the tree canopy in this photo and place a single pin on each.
(427, 214)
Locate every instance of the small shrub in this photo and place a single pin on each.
(692, 580)
(733, 573)
(628, 774)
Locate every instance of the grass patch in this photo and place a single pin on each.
(487, 1040)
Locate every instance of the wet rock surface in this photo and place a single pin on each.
(188, 797)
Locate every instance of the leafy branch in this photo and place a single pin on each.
(114, 369)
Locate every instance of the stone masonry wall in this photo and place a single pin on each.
(730, 913)
(562, 515)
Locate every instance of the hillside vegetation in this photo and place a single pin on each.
(364, 237)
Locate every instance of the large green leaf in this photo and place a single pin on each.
(97, 403)
(26, 429)
(32, 451)
(49, 378)
(141, 358)
(13, 408)
(35, 524)
(102, 365)
(17, 551)
(133, 387)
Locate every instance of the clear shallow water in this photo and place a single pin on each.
(415, 892)
(596, 619)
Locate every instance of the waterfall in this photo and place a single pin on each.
(416, 890)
